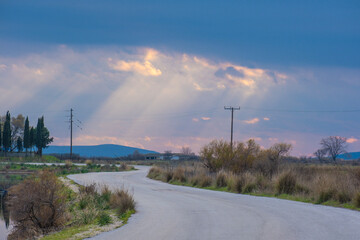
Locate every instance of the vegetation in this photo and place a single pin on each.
(248, 169)
(332, 146)
(17, 134)
(42, 204)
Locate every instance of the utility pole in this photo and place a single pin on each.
(71, 130)
(232, 117)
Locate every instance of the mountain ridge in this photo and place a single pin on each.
(101, 150)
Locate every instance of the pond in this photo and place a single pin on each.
(6, 181)
(5, 227)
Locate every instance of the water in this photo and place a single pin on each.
(6, 181)
(5, 226)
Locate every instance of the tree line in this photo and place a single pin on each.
(17, 134)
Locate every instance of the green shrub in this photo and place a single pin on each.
(105, 193)
(104, 219)
(286, 184)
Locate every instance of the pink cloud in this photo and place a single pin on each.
(205, 118)
(351, 140)
(251, 121)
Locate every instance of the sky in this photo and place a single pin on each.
(157, 74)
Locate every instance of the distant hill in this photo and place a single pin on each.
(104, 150)
(350, 156)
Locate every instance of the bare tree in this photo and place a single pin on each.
(334, 146)
(186, 151)
(320, 154)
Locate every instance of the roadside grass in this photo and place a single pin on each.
(63, 170)
(44, 158)
(337, 186)
(85, 211)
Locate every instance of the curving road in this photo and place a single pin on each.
(170, 212)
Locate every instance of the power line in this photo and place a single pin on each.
(300, 111)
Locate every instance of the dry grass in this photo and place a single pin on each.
(316, 183)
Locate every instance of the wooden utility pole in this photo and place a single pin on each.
(232, 117)
(71, 130)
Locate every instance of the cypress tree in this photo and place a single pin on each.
(43, 138)
(26, 135)
(32, 138)
(0, 137)
(19, 144)
(7, 133)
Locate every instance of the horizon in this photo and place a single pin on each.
(158, 75)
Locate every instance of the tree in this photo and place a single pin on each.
(17, 129)
(334, 146)
(32, 137)
(186, 151)
(0, 137)
(7, 133)
(19, 144)
(26, 135)
(43, 138)
(320, 154)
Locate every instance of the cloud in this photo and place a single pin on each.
(351, 140)
(146, 68)
(266, 119)
(251, 121)
(205, 118)
(201, 89)
(126, 107)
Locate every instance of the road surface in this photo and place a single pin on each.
(169, 212)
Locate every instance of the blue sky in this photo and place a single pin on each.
(160, 72)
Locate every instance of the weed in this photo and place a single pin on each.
(104, 219)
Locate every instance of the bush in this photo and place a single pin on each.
(235, 183)
(343, 197)
(250, 187)
(326, 195)
(122, 201)
(286, 183)
(68, 164)
(88, 162)
(37, 205)
(205, 181)
(221, 179)
(168, 175)
(155, 173)
(179, 174)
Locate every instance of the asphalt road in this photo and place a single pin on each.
(169, 212)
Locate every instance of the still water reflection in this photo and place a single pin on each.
(6, 181)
